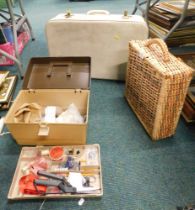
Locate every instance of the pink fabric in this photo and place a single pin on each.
(38, 164)
(23, 39)
(8, 47)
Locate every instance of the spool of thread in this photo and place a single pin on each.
(7, 30)
(56, 153)
(44, 152)
(25, 170)
(59, 170)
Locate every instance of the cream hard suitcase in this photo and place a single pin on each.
(103, 37)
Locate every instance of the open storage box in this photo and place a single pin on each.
(88, 157)
(52, 81)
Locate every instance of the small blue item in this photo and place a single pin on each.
(69, 163)
(7, 30)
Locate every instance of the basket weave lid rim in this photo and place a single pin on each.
(169, 68)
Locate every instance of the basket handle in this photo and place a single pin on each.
(98, 12)
(162, 45)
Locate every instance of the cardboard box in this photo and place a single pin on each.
(89, 161)
(53, 82)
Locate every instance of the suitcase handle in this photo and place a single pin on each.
(162, 45)
(98, 12)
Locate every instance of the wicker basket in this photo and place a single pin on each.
(156, 86)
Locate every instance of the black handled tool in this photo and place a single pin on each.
(54, 180)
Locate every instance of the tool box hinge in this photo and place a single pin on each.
(31, 90)
(78, 90)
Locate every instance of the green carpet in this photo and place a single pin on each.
(138, 174)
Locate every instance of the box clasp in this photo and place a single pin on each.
(69, 70)
(43, 129)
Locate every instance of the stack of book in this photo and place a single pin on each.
(7, 87)
(188, 111)
(163, 16)
(189, 105)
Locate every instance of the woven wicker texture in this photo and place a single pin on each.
(156, 86)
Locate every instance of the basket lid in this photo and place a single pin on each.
(58, 73)
(155, 53)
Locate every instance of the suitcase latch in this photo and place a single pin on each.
(126, 15)
(68, 14)
(69, 70)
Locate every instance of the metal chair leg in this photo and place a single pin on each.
(177, 24)
(136, 7)
(14, 29)
(26, 19)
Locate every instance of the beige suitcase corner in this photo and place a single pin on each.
(103, 37)
(57, 90)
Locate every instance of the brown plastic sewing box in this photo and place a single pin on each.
(53, 81)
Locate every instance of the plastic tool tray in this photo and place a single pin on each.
(57, 172)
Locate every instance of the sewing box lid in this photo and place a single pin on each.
(58, 73)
